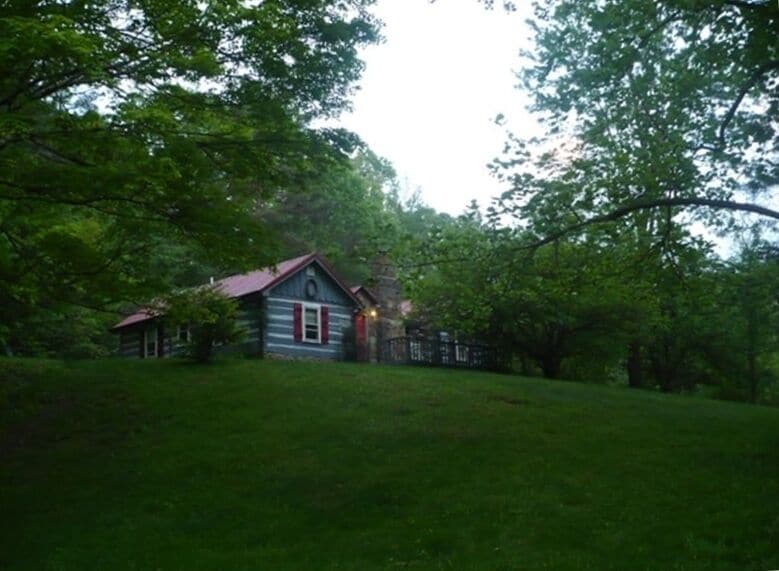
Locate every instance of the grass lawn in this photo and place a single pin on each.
(248, 465)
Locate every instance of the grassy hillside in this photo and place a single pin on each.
(272, 465)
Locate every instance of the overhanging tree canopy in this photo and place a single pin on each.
(128, 126)
(659, 103)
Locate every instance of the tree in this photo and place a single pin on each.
(349, 218)
(562, 305)
(126, 128)
(358, 211)
(753, 288)
(656, 114)
(553, 312)
(665, 105)
(208, 314)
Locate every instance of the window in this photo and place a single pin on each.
(310, 271)
(150, 342)
(462, 351)
(312, 332)
(182, 333)
(311, 289)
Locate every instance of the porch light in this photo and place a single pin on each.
(372, 313)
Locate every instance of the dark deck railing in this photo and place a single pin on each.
(435, 353)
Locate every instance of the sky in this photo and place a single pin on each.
(430, 94)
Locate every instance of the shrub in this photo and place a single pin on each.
(211, 317)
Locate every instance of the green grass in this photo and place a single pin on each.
(273, 465)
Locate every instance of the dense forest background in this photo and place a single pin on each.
(145, 147)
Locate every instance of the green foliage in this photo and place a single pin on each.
(356, 213)
(135, 133)
(210, 316)
(669, 315)
(649, 100)
(347, 218)
(645, 102)
(753, 291)
(542, 307)
(61, 331)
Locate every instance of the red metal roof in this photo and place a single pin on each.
(244, 284)
(142, 314)
(258, 280)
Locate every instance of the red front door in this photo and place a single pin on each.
(360, 337)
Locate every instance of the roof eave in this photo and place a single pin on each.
(314, 256)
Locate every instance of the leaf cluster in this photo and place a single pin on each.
(210, 317)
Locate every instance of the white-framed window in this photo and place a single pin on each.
(415, 350)
(312, 323)
(150, 346)
(461, 351)
(182, 333)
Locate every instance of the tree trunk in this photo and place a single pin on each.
(635, 380)
(550, 366)
(525, 366)
(752, 376)
(664, 368)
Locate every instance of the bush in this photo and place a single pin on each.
(211, 317)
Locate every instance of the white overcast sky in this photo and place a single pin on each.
(430, 93)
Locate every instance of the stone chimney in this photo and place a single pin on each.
(386, 288)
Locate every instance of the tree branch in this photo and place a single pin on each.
(613, 216)
(747, 4)
(623, 211)
(55, 155)
(754, 79)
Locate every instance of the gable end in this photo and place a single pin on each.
(315, 283)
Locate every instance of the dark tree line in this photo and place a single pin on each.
(676, 317)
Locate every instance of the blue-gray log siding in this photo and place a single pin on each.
(130, 342)
(279, 335)
(249, 319)
(328, 291)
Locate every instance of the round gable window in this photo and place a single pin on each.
(311, 289)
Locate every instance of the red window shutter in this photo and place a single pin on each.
(325, 325)
(297, 322)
